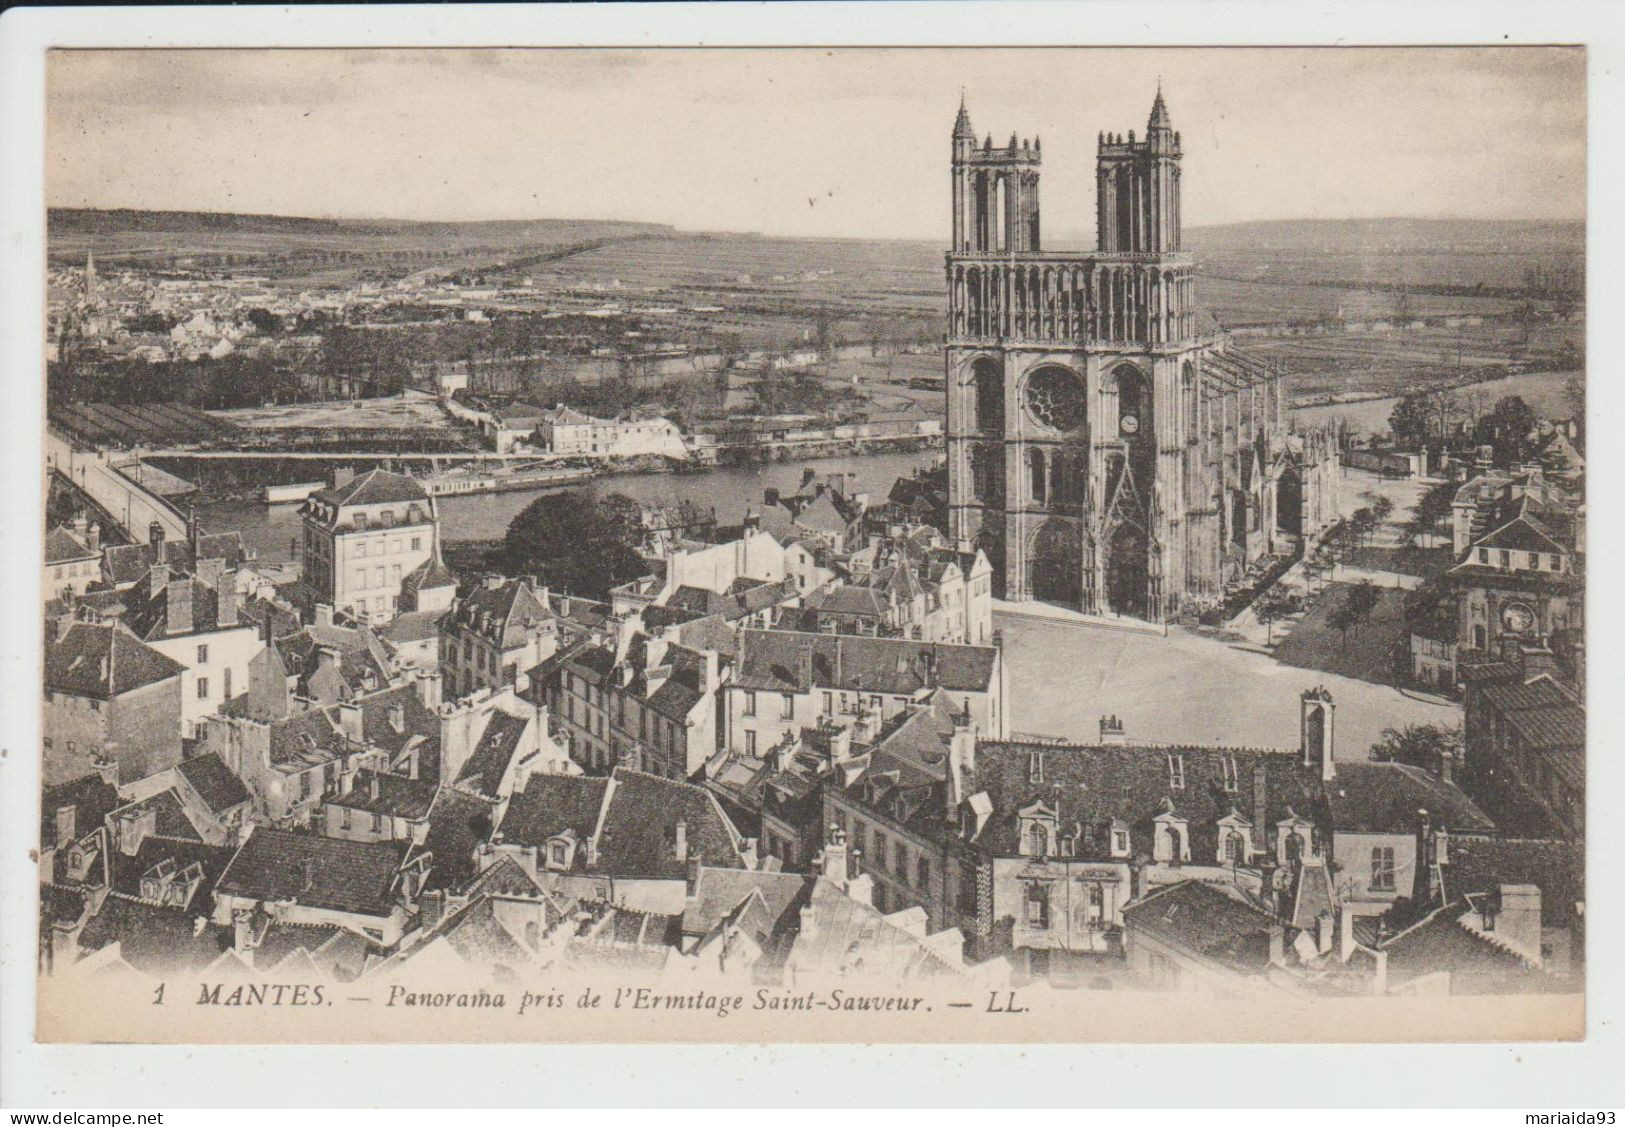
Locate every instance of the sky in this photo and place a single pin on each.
(808, 142)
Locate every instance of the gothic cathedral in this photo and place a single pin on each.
(1109, 451)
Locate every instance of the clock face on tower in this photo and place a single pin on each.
(1130, 424)
(1517, 618)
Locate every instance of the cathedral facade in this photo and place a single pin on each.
(1108, 451)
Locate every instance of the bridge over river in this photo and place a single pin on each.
(94, 473)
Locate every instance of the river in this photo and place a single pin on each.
(275, 529)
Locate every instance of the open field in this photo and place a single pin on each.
(410, 412)
(1185, 687)
(1543, 391)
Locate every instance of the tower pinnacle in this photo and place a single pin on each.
(1159, 112)
(962, 126)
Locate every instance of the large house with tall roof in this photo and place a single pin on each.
(787, 680)
(632, 839)
(112, 704)
(501, 629)
(362, 539)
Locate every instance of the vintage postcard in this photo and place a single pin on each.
(788, 544)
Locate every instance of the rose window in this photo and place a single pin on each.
(1055, 399)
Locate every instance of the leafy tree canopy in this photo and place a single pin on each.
(575, 542)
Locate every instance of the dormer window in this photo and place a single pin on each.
(1119, 839)
(1235, 848)
(1037, 840)
(1176, 771)
(1171, 843)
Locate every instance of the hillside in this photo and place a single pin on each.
(1388, 236)
(67, 221)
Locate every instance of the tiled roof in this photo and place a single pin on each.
(768, 660)
(375, 487)
(1440, 944)
(126, 563)
(505, 877)
(1206, 921)
(503, 613)
(635, 816)
(155, 940)
(865, 602)
(169, 816)
(1385, 798)
(317, 872)
(458, 823)
(62, 546)
(413, 626)
(638, 832)
(492, 755)
(1545, 716)
(397, 796)
(128, 869)
(1482, 864)
(719, 891)
(92, 799)
(552, 804)
(361, 657)
(848, 936)
(1091, 787)
(1522, 535)
(103, 662)
(213, 781)
(428, 575)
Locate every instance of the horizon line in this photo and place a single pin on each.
(1530, 220)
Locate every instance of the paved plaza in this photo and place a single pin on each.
(1064, 677)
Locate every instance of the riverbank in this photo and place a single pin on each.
(276, 530)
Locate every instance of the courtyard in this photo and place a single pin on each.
(1063, 677)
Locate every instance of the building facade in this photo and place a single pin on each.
(1105, 450)
(363, 538)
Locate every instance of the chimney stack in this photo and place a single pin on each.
(323, 614)
(1111, 731)
(429, 688)
(226, 601)
(1316, 716)
(350, 720)
(961, 756)
(179, 600)
(66, 823)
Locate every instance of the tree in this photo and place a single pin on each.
(1361, 525)
(1342, 620)
(1320, 564)
(1382, 507)
(1363, 598)
(1506, 428)
(1418, 745)
(1432, 510)
(1272, 605)
(575, 542)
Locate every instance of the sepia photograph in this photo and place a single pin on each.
(803, 544)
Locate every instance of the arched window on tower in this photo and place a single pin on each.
(1036, 475)
(989, 396)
